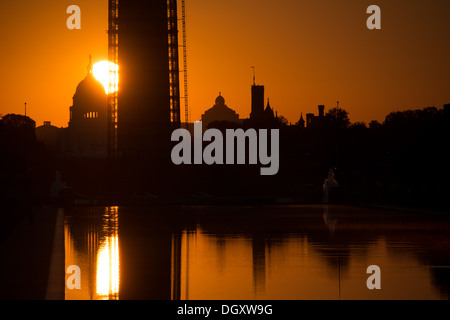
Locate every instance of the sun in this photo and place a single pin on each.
(101, 73)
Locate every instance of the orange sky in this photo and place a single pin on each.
(306, 53)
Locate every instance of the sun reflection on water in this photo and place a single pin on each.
(107, 285)
(309, 254)
(92, 243)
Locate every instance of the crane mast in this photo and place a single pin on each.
(183, 20)
(175, 105)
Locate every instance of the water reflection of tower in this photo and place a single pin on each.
(259, 262)
(145, 253)
(81, 248)
(92, 244)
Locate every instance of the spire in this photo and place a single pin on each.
(269, 114)
(301, 122)
(89, 67)
(254, 78)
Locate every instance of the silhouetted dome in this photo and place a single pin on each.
(219, 112)
(89, 102)
(87, 132)
(220, 101)
(90, 87)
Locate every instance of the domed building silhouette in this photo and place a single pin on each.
(87, 131)
(89, 103)
(220, 112)
(86, 135)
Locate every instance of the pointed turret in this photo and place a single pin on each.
(301, 122)
(268, 113)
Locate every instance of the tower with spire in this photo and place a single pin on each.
(257, 112)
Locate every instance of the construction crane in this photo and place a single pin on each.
(175, 105)
(183, 21)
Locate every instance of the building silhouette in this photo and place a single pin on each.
(142, 120)
(269, 114)
(87, 131)
(301, 122)
(50, 135)
(260, 116)
(144, 95)
(220, 112)
(257, 112)
(86, 134)
(447, 110)
(313, 120)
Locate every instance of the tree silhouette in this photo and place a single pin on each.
(282, 121)
(15, 124)
(17, 155)
(358, 125)
(374, 124)
(17, 132)
(338, 118)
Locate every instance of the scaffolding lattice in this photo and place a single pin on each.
(174, 70)
(113, 41)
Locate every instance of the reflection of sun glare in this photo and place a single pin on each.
(101, 73)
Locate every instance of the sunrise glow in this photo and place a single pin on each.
(101, 72)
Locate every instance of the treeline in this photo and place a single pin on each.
(403, 160)
(400, 161)
(25, 163)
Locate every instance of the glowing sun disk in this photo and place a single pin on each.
(101, 73)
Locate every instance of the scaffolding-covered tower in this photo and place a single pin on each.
(143, 39)
(113, 25)
(174, 70)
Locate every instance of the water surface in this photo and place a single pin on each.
(267, 252)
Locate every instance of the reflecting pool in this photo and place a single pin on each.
(256, 252)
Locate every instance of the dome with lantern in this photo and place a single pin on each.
(89, 101)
